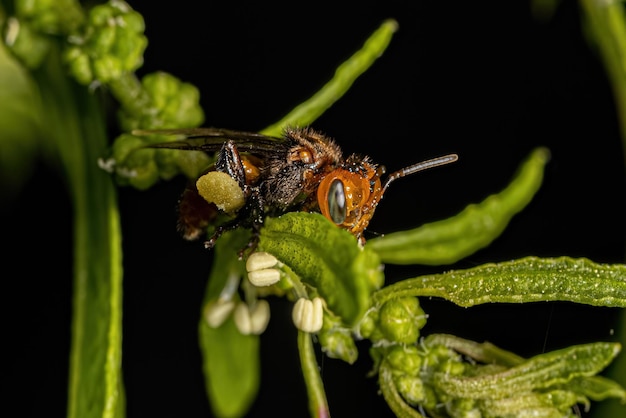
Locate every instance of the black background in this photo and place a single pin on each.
(482, 79)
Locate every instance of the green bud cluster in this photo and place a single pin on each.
(53, 17)
(397, 321)
(412, 367)
(449, 376)
(142, 167)
(336, 340)
(174, 104)
(110, 44)
(28, 33)
(133, 167)
(105, 45)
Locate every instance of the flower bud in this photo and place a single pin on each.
(368, 325)
(308, 315)
(178, 102)
(138, 169)
(265, 277)
(252, 319)
(260, 272)
(461, 407)
(401, 319)
(452, 367)
(260, 260)
(405, 359)
(338, 343)
(438, 354)
(217, 311)
(411, 388)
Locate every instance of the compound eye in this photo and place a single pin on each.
(337, 202)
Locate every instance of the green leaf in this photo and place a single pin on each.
(617, 372)
(529, 279)
(554, 403)
(327, 258)
(231, 368)
(346, 74)
(598, 388)
(452, 239)
(231, 361)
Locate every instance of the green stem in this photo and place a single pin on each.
(114, 396)
(77, 135)
(318, 406)
(391, 395)
(483, 352)
(606, 23)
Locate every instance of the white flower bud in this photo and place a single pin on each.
(260, 272)
(308, 315)
(252, 320)
(216, 312)
(260, 260)
(265, 277)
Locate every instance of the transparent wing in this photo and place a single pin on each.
(212, 139)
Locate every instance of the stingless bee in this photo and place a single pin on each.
(301, 170)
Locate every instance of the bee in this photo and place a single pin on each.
(302, 170)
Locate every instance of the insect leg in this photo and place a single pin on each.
(210, 243)
(251, 215)
(229, 161)
(256, 213)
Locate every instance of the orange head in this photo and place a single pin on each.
(349, 194)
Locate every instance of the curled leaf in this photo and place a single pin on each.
(540, 372)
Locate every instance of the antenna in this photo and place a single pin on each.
(424, 165)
